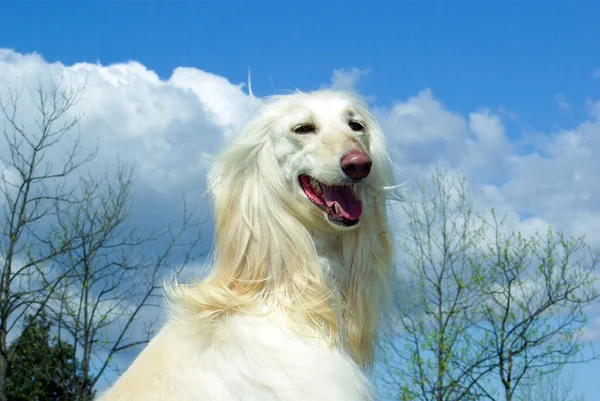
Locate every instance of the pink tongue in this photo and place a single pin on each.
(350, 207)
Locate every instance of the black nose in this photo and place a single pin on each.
(356, 164)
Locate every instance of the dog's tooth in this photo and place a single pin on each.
(316, 185)
(336, 208)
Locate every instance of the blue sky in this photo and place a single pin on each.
(520, 68)
(490, 53)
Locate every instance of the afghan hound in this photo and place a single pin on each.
(301, 269)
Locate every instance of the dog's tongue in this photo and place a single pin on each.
(350, 207)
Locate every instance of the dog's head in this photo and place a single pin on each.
(331, 153)
(307, 164)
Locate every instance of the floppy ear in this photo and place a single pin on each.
(263, 255)
(368, 252)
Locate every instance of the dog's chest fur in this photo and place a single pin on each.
(250, 358)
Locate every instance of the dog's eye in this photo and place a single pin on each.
(356, 126)
(304, 129)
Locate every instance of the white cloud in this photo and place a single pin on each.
(129, 112)
(8, 178)
(488, 147)
(343, 79)
(552, 181)
(558, 180)
(422, 131)
(161, 124)
(592, 331)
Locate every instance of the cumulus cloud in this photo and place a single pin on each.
(550, 181)
(421, 131)
(346, 79)
(557, 181)
(130, 113)
(162, 125)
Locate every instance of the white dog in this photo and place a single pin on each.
(301, 271)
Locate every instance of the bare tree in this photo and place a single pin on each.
(433, 353)
(535, 307)
(114, 275)
(69, 248)
(32, 187)
(555, 386)
(480, 310)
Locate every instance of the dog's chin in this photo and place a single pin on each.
(339, 204)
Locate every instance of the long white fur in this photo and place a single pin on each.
(291, 308)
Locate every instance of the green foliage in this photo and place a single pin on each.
(534, 309)
(44, 368)
(482, 310)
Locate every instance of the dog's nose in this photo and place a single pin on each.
(356, 164)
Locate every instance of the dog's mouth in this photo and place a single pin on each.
(339, 201)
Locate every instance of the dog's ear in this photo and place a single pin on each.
(263, 254)
(369, 252)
